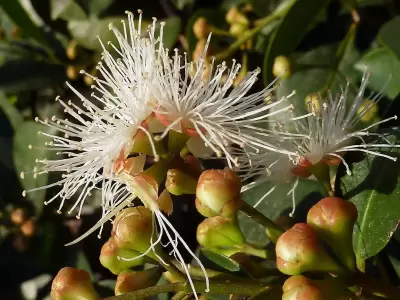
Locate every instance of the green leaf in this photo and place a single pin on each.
(24, 74)
(67, 10)
(374, 188)
(83, 263)
(389, 35)
(221, 260)
(12, 113)
(276, 204)
(383, 64)
(295, 24)
(21, 18)
(98, 6)
(171, 31)
(86, 32)
(24, 159)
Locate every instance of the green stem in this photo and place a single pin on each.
(218, 287)
(251, 33)
(321, 172)
(196, 271)
(374, 286)
(258, 217)
(179, 296)
(251, 250)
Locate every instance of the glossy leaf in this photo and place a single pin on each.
(221, 260)
(278, 203)
(389, 35)
(385, 70)
(171, 31)
(98, 6)
(67, 10)
(374, 188)
(295, 24)
(24, 159)
(24, 75)
(12, 113)
(21, 18)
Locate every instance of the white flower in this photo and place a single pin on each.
(206, 105)
(333, 128)
(100, 130)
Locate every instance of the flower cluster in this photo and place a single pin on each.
(147, 105)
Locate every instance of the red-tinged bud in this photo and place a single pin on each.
(201, 28)
(283, 222)
(179, 183)
(129, 281)
(29, 228)
(298, 250)
(133, 228)
(282, 67)
(72, 284)
(118, 259)
(218, 193)
(18, 216)
(307, 292)
(218, 232)
(333, 220)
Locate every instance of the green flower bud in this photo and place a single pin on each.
(237, 29)
(368, 111)
(179, 183)
(298, 250)
(129, 281)
(72, 284)
(218, 193)
(307, 292)
(218, 232)
(201, 28)
(282, 67)
(132, 229)
(333, 220)
(235, 16)
(110, 255)
(72, 72)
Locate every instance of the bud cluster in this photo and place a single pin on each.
(303, 248)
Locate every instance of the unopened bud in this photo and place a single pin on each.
(284, 222)
(133, 228)
(368, 111)
(237, 29)
(302, 288)
(71, 50)
(28, 228)
(333, 220)
(314, 103)
(130, 281)
(179, 183)
(72, 72)
(118, 259)
(201, 28)
(218, 232)
(218, 193)
(72, 284)
(235, 16)
(88, 80)
(282, 67)
(298, 250)
(18, 216)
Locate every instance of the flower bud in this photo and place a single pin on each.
(132, 229)
(284, 222)
(201, 28)
(235, 16)
(179, 183)
(28, 228)
(298, 250)
(333, 220)
(368, 111)
(307, 292)
(72, 72)
(218, 193)
(313, 103)
(218, 232)
(72, 49)
(129, 281)
(111, 254)
(88, 80)
(18, 216)
(237, 29)
(72, 284)
(282, 67)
